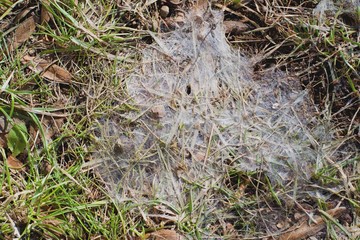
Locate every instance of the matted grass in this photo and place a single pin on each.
(50, 192)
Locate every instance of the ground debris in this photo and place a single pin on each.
(22, 33)
(14, 163)
(164, 234)
(304, 229)
(48, 70)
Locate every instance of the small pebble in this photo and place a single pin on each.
(164, 11)
(158, 111)
(174, 2)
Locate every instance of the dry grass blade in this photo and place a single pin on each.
(49, 112)
(304, 230)
(98, 51)
(22, 14)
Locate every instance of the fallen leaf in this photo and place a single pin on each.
(44, 14)
(22, 33)
(235, 27)
(304, 230)
(164, 234)
(14, 163)
(48, 70)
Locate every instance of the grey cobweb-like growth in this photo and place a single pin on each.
(199, 112)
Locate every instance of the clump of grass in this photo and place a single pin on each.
(52, 196)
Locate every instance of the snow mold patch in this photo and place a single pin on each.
(200, 113)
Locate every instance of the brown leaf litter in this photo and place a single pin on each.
(164, 234)
(45, 15)
(14, 163)
(235, 27)
(304, 229)
(48, 70)
(22, 33)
